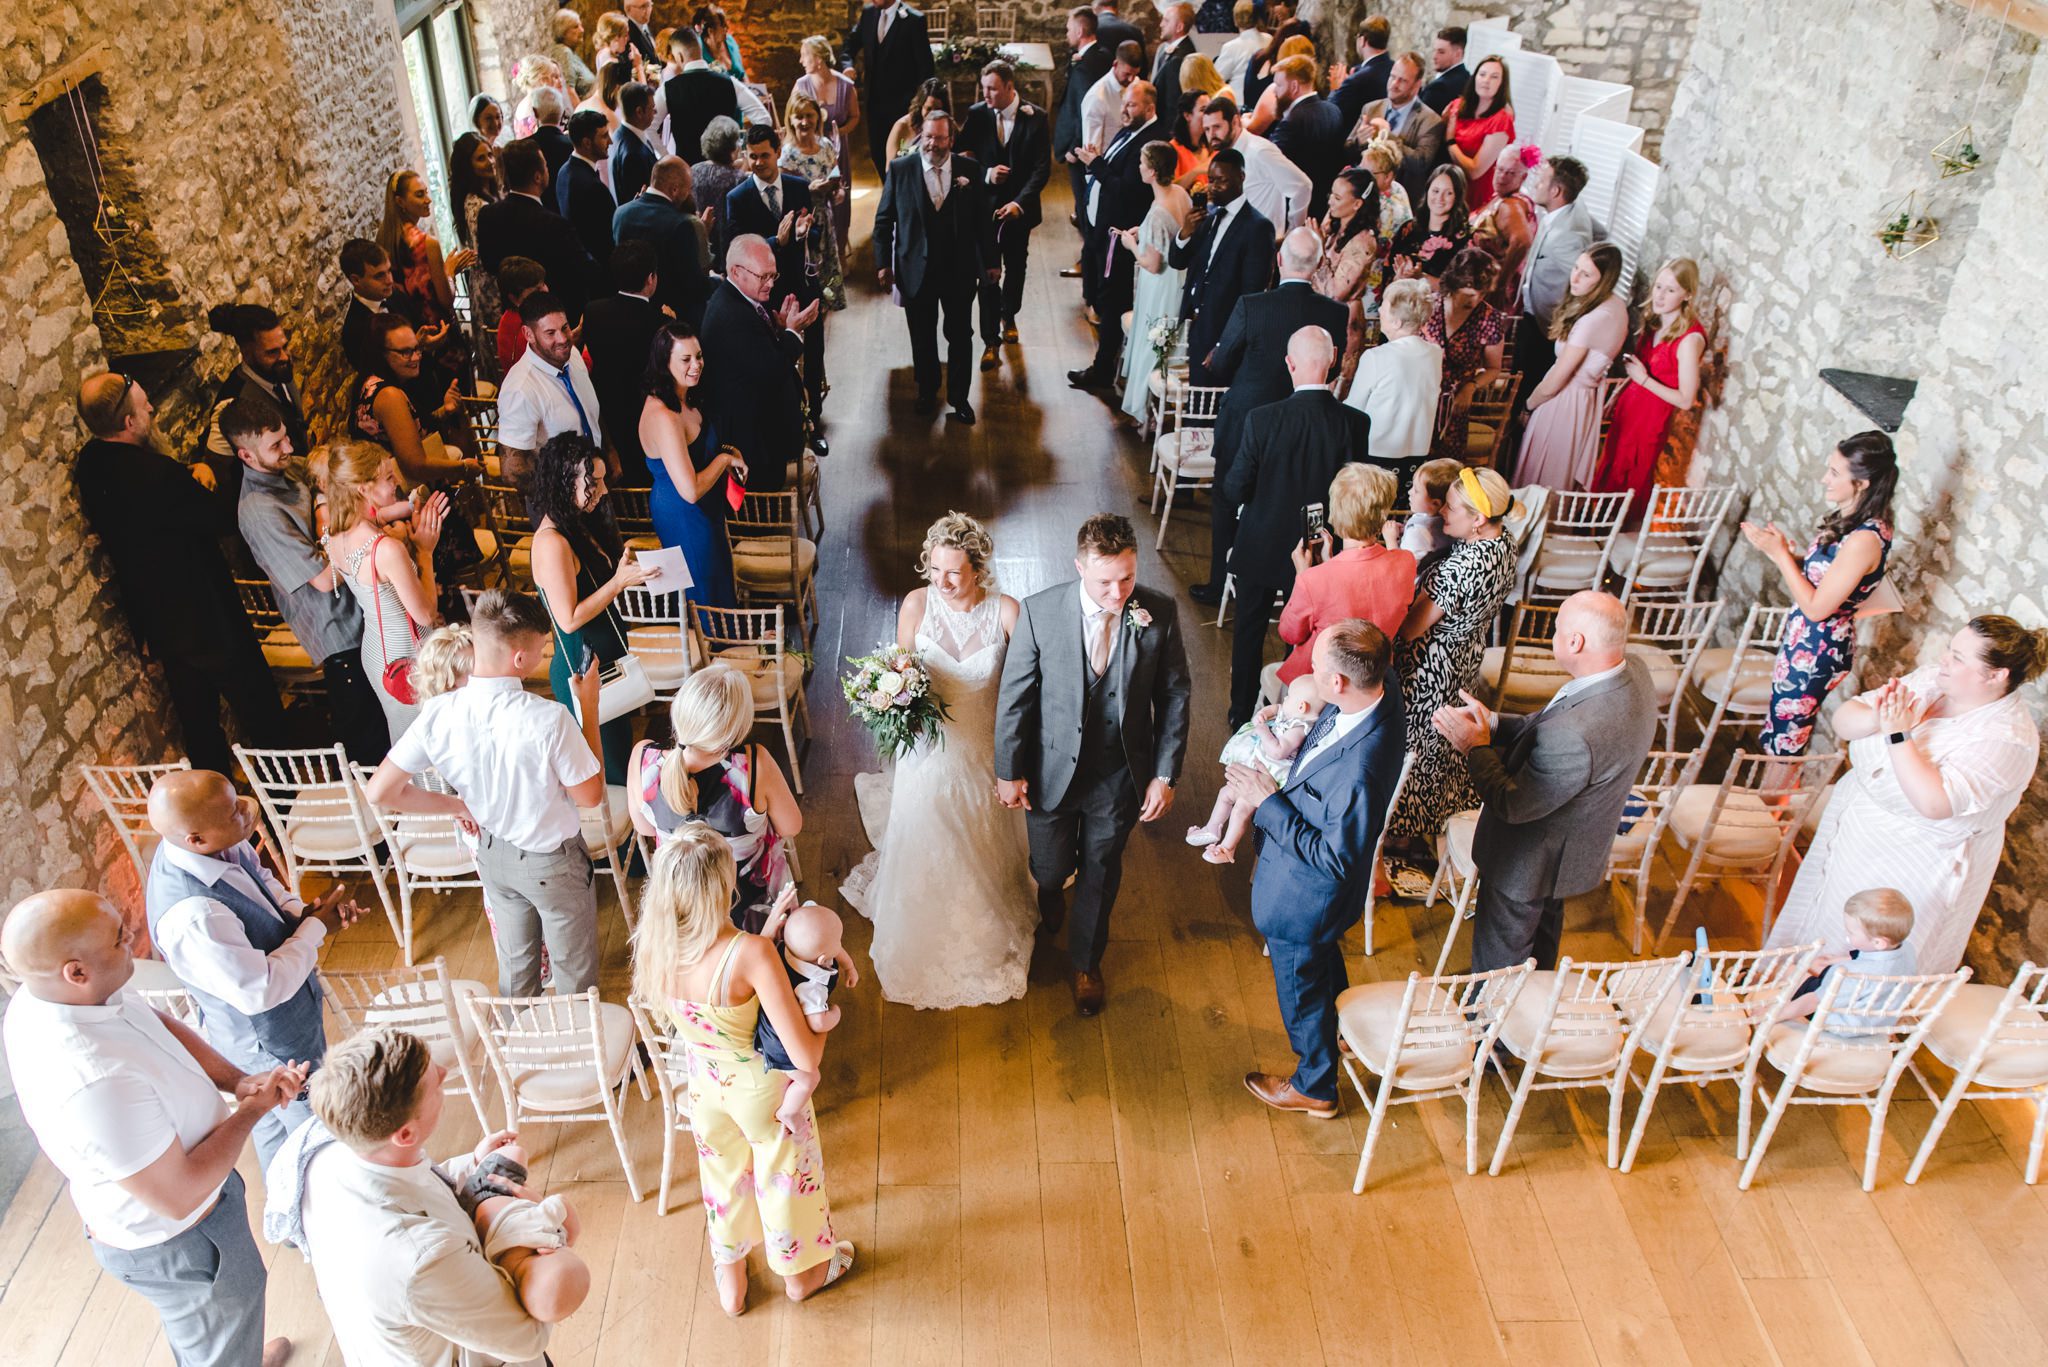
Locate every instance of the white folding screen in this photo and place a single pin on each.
(1578, 97)
(1533, 80)
(1600, 143)
(1629, 220)
(1489, 36)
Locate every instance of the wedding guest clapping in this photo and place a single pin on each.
(1664, 380)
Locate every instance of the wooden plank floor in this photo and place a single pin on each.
(1029, 1187)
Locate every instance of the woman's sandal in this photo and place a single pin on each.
(841, 1264)
(731, 1312)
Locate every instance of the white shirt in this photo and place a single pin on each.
(1580, 685)
(533, 405)
(206, 946)
(1343, 725)
(1275, 186)
(1222, 226)
(401, 1271)
(770, 192)
(938, 178)
(1396, 385)
(107, 1090)
(1102, 112)
(510, 755)
(1092, 614)
(1234, 58)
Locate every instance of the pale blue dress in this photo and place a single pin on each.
(1156, 297)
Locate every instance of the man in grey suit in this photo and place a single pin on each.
(1092, 713)
(1403, 117)
(1566, 230)
(1554, 784)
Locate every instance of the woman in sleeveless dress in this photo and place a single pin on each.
(1561, 443)
(1841, 569)
(839, 97)
(949, 884)
(1159, 284)
(677, 434)
(712, 777)
(392, 581)
(762, 1182)
(1664, 379)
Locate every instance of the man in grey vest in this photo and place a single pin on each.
(1091, 726)
(245, 947)
(1554, 784)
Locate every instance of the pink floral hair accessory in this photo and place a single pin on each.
(1530, 155)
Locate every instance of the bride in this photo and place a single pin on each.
(949, 884)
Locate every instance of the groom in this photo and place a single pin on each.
(1093, 713)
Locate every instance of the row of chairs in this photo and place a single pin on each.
(1697, 1021)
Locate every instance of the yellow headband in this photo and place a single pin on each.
(1475, 494)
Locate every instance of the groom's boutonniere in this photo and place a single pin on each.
(1137, 618)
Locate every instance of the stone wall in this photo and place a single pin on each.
(257, 135)
(1783, 225)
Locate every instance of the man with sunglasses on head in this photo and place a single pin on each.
(161, 524)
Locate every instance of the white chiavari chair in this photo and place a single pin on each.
(424, 1001)
(1743, 827)
(562, 1060)
(1995, 1042)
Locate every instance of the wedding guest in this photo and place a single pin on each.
(551, 110)
(1090, 62)
(266, 371)
(1553, 784)
(724, 149)
(1263, 114)
(1479, 125)
(1117, 30)
(721, 49)
(519, 767)
(1176, 46)
(392, 580)
(1156, 299)
(567, 30)
(1289, 36)
(633, 151)
(381, 408)
(935, 96)
(424, 280)
(520, 224)
(373, 290)
(1405, 122)
(1310, 131)
(1350, 251)
(275, 515)
(580, 567)
(132, 1108)
(1473, 336)
(929, 243)
(245, 946)
(1457, 600)
(161, 525)
(1351, 575)
(1506, 228)
(1271, 739)
(519, 278)
(617, 330)
(487, 119)
(1273, 185)
(531, 74)
(1421, 533)
(581, 196)
(1426, 245)
(392, 1236)
(547, 391)
(1011, 141)
(473, 186)
(1836, 576)
(1382, 161)
(1236, 55)
(750, 354)
(659, 216)
(1664, 380)
(1564, 230)
(1561, 440)
(712, 983)
(686, 461)
(1367, 82)
(639, 14)
(1938, 760)
(810, 155)
(1290, 452)
(695, 97)
(1224, 251)
(776, 207)
(836, 94)
(1448, 57)
(1191, 151)
(1117, 200)
(1315, 867)
(1398, 382)
(1198, 75)
(712, 777)
(893, 45)
(611, 42)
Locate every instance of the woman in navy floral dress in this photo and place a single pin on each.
(1840, 570)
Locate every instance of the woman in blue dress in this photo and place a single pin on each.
(1841, 569)
(677, 437)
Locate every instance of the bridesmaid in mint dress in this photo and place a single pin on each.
(1158, 283)
(687, 464)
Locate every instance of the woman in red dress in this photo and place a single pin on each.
(1664, 377)
(1478, 125)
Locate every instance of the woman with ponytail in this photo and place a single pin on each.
(1939, 758)
(762, 1181)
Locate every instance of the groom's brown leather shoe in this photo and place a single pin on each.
(1279, 1093)
(1088, 989)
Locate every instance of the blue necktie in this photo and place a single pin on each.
(1324, 724)
(582, 418)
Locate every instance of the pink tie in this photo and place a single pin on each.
(1098, 648)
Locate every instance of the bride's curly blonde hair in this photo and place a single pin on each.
(957, 531)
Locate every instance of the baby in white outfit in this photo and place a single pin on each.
(1271, 738)
(529, 1241)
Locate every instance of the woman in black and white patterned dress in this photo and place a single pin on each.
(1457, 597)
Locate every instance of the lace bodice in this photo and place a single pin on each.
(964, 651)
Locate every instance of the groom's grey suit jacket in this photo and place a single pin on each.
(1039, 710)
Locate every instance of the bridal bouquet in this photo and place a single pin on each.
(890, 692)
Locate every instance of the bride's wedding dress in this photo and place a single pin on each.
(949, 884)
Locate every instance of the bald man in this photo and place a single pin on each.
(161, 526)
(128, 1105)
(1290, 452)
(753, 342)
(240, 941)
(1553, 784)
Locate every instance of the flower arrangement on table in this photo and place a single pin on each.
(967, 56)
(890, 693)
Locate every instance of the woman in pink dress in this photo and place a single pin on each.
(1561, 443)
(1664, 376)
(1478, 126)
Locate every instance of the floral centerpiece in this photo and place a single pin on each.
(967, 56)
(890, 693)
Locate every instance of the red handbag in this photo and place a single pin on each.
(397, 677)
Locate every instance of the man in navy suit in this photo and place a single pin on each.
(1113, 30)
(1353, 90)
(775, 205)
(1229, 255)
(523, 224)
(633, 154)
(581, 195)
(898, 47)
(1319, 830)
(1451, 76)
(549, 110)
(1117, 201)
(1311, 131)
(658, 216)
(750, 357)
(1011, 141)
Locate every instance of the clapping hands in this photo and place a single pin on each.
(1466, 728)
(1770, 539)
(1898, 707)
(257, 1093)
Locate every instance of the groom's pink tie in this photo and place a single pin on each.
(1098, 645)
